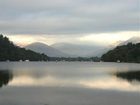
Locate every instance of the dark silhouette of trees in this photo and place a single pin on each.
(124, 53)
(130, 75)
(5, 77)
(94, 59)
(8, 51)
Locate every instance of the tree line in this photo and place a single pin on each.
(124, 53)
(93, 59)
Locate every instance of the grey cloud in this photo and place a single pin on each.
(68, 16)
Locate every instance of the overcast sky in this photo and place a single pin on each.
(80, 21)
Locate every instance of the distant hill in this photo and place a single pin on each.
(133, 40)
(43, 48)
(76, 50)
(8, 51)
(124, 53)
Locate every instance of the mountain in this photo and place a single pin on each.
(8, 51)
(124, 53)
(131, 40)
(43, 48)
(76, 50)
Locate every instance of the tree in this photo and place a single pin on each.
(9, 51)
(124, 53)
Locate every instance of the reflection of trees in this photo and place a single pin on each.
(5, 77)
(130, 75)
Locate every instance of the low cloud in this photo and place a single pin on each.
(68, 16)
(103, 39)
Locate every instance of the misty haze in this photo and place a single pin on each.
(70, 52)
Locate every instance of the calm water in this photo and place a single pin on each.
(69, 83)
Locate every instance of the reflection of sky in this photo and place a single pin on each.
(99, 83)
(112, 83)
(72, 74)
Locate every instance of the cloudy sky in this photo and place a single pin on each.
(72, 21)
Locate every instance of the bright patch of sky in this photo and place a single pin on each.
(102, 38)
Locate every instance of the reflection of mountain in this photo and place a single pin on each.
(130, 75)
(5, 77)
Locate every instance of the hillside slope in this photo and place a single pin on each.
(124, 53)
(82, 50)
(43, 48)
(8, 51)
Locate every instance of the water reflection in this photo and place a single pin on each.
(69, 75)
(105, 81)
(5, 77)
(68, 83)
(129, 75)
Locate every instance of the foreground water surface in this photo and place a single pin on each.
(69, 83)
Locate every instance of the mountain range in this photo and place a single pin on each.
(44, 48)
(75, 50)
